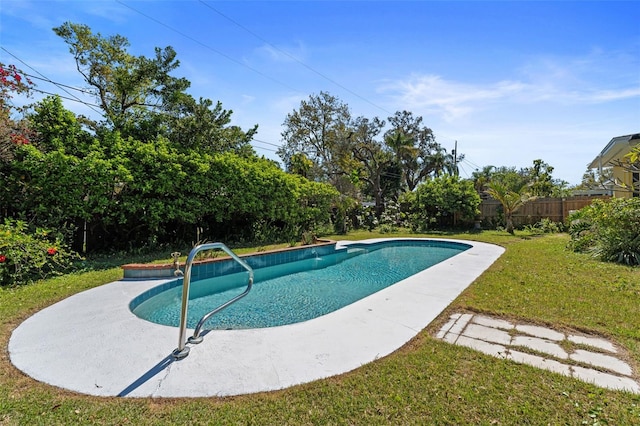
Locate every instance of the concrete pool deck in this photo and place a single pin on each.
(93, 344)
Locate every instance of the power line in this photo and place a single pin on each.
(475, 166)
(471, 163)
(67, 98)
(293, 57)
(75, 98)
(59, 84)
(206, 46)
(62, 86)
(268, 143)
(464, 170)
(265, 148)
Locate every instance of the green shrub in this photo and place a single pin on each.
(27, 256)
(367, 219)
(608, 229)
(392, 218)
(580, 230)
(545, 226)
(439, 202)
(387, 228)
(308, 238)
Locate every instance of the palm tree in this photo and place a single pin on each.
(442, 162)
(481, 178)
(510, 200)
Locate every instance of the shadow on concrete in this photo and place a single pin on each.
(153, 371)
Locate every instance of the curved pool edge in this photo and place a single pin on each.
(91, 342)
(161, 304)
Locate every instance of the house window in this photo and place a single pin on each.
(635, 181)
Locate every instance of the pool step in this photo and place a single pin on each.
(355, 251)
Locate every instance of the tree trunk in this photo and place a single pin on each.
(510, 224)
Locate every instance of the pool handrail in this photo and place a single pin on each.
(182, 350)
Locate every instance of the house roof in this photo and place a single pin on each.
(615, 149)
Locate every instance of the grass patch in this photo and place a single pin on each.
(426, 381)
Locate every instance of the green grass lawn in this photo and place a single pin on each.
(426, 382)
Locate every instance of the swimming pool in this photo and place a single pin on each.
(296, 291)
(92, 343)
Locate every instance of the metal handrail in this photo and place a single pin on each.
(182, 350)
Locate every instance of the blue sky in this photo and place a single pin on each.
(510, 81)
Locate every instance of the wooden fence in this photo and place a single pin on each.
(555, 209)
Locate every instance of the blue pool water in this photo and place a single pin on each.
(297, 291)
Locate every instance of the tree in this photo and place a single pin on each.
(64, 177)
(140, 98)
(445, 163)
(540, 181)
(596, 179)
(56, 128)
(631, 164)
(375, 159)
(511, 200)
(481, 178)
(202, 126)
(439, 201)
(124, 85)
(148, 175)
(299, 164)
(13, 131)
(415, 149)
(319, 129)
(514, 180)
(537, 179)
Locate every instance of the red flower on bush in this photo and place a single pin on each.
(51, 251)
(18, 139)
(3, 258)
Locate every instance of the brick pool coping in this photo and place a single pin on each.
(166, 270)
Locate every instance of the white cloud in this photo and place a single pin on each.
(109, 10)
(594, 78)
(451, 99)
(611, 95)
(247, 99)
(286, 104)
(295, 53)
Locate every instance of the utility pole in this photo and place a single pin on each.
(455, 158)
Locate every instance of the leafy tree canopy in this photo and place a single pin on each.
(140, 97)
(123, 84)
(414, 145)
(319, 129)
(13, 130)
(322, 141)
(161, 167)
(440, 201)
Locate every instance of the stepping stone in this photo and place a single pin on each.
(488, 334)
(605, 380)
(595, 342)
(540, 345)
(492, 322)
(460, 324)
(482, 346)
(539, 362)
(445, 328)
(451, 338)
(493, 336)
(542, 332)
(601, 360)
